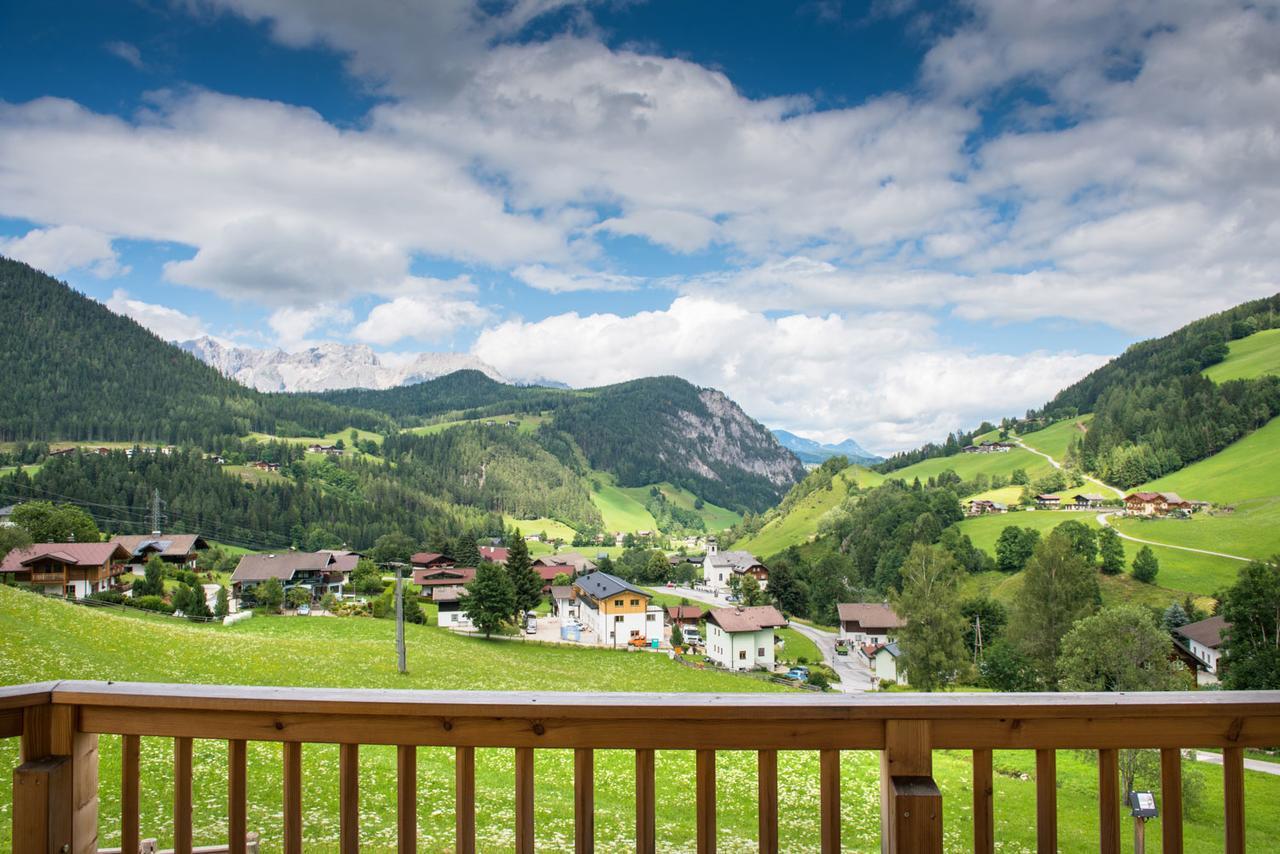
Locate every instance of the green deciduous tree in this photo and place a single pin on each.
(491, 598)
(270, 594)
(749, 590)
(1004, 668)
(1145, 565)
(1058, 589)
(1251, 646)
(932, 639)
(1112, 551)
(298, 596)
(394, 547)
(366, 577)
(1014, 547)
(789, 593)
(1083, 539)
(1120, 648)
(61, 523)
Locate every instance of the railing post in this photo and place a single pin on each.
(55, 789)
(910, 803)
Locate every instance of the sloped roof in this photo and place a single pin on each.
(424, 558)
(873, 614)
(685, 612)
(747, 619)
(1205, 632)
(444, 575)
(166, 545)
(497, 554)
(602, 585)
(738, 560)
(260, 567)
(76, 554)
(561, 591)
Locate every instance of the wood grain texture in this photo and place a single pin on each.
(406, 799)
(829, 798)
(1108, 802)
(182, 796)
(237, 792)
(464, 809)
(916, 810)
(1046, 802)
(1171, 800)
(292, 797)
(524, 800)
(767, 798)
(584, 801)
(705, 773)
(349, 798)
(984, 824)
(1233, 797)
(130, 792)
(646, 805)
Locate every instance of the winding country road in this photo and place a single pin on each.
(1119, 493)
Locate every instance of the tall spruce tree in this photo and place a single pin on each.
(465, 551)
(525, 582)
(491, 598)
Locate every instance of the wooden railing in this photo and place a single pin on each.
(55, 788)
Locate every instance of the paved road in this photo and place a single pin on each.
(1119, 492)
(1249, 764)
(1102, 520)
(854, 675)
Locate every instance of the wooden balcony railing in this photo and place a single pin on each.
(55, 788)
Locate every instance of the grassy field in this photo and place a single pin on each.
(801, 522)
(796, 646)
(621, 511)
(1180, 572)
(970, 465)
(253, 475)
(715, 518)
(550, 527)
(1252, 530)
(526, 423)
(327, 439)
(41, 639)
(1006, 495)
(1053, 440)
(1249, 357)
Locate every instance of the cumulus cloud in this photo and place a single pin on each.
(64, 248)
(292, 326)
(884, 377)
(127, 52)
(169, 323)
(427, 313)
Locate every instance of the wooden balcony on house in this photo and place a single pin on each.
(55, 801)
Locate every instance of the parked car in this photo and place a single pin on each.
(304, 610)
(731, 598)
(531, 625)
(799, 673)
(842, 648)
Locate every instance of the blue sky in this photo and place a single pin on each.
(883, 220)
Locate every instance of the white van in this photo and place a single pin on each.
(530, 625)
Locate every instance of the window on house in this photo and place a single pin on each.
(649, 617)
(760, 652)
(617, 602)
(618, 618)
(742, 654)
(635, 601)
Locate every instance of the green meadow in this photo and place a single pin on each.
(969, 466)
(42, 639)
(621, 511)
(1249, 357)
(800, 523)
(1054, 439)
(714, 517)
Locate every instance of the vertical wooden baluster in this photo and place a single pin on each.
(237, 824)
(130, 780)
(1046, 801)
(182, 795)
(1171, 795)
(646, 824)
(349, 798)
(706, 794)
(767, 783)
(1233, 794)
(829, 786)
(1108, 801)
(464, 809)
(584, 801)
(524, 800)
(407, 799)
(984, 824)
(292, 797)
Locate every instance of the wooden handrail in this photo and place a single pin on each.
(60, 722)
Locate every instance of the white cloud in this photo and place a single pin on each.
(64, 248)
(884, 378)
(425, 317)
(169, 323)
(127, 52)
(292, 325)
(563, 281)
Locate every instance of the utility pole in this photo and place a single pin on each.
(400, 619)
(977, 637)
(155, 511)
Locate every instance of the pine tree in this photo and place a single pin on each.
(1145, 565)
(466, 552)
(491, 598)
(525, 581)
(1112, 551)
(221, 605)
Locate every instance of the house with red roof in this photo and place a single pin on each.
(430, 560)
(74, 570)
(495, 554)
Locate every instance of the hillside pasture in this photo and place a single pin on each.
(1253, 356)
(620, 509)
(327, 439)
(1252, 530)
(42, 639)
(1054, 439)
(714, 517)
(801, 523)
(553, 528)
(969, 466)
(525, 423)
(1249, 468)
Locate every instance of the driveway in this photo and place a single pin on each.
(855, 675)
(1249, 764)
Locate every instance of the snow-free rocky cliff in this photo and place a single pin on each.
(328, 366)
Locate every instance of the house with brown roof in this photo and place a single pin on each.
(177, 549)
(867, 622)
(1088, 500)
(1156, 504)
(430, 560)
(1046, 501)
(578, 563)
(431, 581)
(495, 554)
(74, 570)
(742, 638)
(1204, 639)
(312, 570)
(685, 615)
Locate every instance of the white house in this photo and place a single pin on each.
(867, 622)
(1205, 641)
(718, 567)
(451, 609)
(563, 605)
(884, 663)
(615, 611)
(742, 638)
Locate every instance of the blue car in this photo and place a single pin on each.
(800, 674)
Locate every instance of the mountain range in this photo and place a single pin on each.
(814, 453)
(328, 366)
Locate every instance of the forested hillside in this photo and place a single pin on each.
(75, 370)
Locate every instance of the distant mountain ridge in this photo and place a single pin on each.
(328, 366)
(814, 453)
